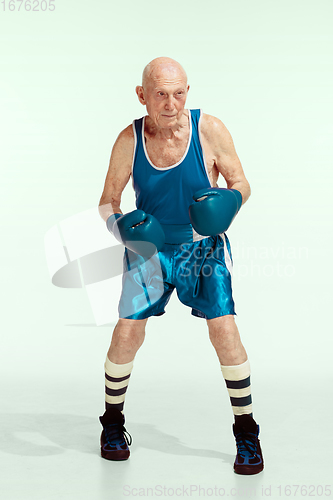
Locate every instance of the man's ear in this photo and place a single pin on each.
(140, 93)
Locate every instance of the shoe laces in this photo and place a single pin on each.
(247, 443)
(116, 433)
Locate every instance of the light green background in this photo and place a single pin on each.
(66, 90)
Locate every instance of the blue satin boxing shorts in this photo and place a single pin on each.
(200, 271)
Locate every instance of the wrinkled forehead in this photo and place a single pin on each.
(166, 75)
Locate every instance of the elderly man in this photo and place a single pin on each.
(174, 156)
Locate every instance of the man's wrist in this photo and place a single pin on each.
(239, 197)
(111, 220)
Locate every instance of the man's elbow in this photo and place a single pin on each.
(244, 188)
(247, 192)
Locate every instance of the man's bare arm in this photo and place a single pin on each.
(225, 156)
(118, 174)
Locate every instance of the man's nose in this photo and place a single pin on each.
(169, 103)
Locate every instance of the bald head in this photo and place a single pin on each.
(164, 92)
(159, 67)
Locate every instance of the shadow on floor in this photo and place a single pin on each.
(52, 434)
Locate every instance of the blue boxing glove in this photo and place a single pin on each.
(138, 231)
(214, 209)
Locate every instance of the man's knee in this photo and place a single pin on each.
(130, 331)
(132, 325)
(223, 330)
(224, 336)
(223, 325)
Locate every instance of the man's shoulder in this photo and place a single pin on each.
(124, 143)
(127, 133)
(211, 123)
(212, 128)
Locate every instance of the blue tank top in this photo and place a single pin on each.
(167, 193)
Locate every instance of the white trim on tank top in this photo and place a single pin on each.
(202, 148)
(135, 144)
(197, 236)
(185, 154)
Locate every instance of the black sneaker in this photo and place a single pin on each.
(114, 440)
(249, 459)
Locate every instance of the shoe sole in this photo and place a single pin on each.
(115, 456)
(246, 470)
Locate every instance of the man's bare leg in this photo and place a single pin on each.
(224, 335)
(128, 336)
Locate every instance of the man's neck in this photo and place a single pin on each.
(168, 133)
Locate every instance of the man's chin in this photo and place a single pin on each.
(168, 121)
(165, 121)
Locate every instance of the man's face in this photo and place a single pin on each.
(165, 96)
